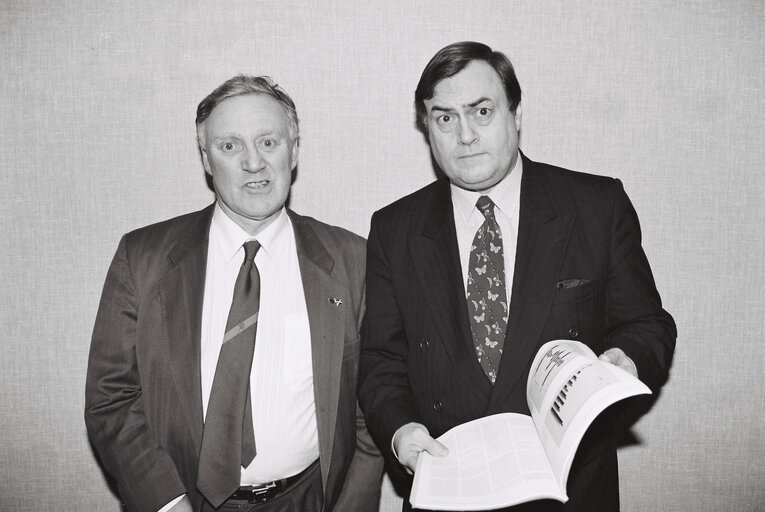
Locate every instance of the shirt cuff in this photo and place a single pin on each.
(172, 503)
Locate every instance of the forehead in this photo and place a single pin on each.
(245, 114)
(477, 80)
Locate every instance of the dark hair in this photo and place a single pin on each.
(240, 85)
(452, 59)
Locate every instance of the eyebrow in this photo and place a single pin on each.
(235, 135)
(224, 137)
(471, 105)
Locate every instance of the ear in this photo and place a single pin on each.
(518, 115)
(205, 161)
(202, 149)
(294, 154)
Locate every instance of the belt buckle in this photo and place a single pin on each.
(262, 494)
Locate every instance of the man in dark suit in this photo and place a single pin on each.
(469, 276)
(167, 361)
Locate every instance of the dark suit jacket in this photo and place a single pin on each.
(143, 394)
(418, 362)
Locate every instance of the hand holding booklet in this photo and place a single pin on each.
(505, 459)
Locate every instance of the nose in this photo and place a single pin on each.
(467, 134)
(252, 161)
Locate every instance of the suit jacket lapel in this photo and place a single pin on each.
(327, 326)
(542, 239)
(435, 256)
(181, 293)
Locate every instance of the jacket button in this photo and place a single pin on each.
(424, 344)
(437, 406)
(573, 332)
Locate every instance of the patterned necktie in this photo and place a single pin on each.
(228, 441)
(486, 295)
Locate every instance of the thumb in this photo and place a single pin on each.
(606, 357)
(435, 448)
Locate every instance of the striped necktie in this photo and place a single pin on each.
(228, 441)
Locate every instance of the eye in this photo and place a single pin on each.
(444, 121)
(483, 115)
(228, 146)
(268, 143)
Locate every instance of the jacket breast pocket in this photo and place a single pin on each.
(573, 311)
(571, 290)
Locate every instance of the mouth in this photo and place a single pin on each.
(470, 156)
(255, 185)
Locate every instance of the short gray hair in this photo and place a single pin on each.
(241, 85)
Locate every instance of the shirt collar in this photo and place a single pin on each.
(230, 236)
(505, 194)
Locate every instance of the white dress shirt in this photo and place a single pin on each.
(467, 219)
(281, 379)
(283, 409)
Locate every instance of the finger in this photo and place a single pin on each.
(606, 357)
(435, 448)
(409, 461)
(619, 359)
(424, 441)
(411, 455)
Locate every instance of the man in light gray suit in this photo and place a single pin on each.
(157, 352)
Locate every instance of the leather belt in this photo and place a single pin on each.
(262, 493)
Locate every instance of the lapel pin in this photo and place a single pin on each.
(335, 301)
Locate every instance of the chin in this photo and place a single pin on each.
(480, 181)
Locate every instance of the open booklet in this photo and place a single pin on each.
(505, 459)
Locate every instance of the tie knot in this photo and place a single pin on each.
(251, 249)
(486, 206)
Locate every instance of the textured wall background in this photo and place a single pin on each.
(97, 138)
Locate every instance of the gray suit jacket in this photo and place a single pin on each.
(143, 395)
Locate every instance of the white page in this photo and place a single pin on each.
(493, 462)
(567, 389)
